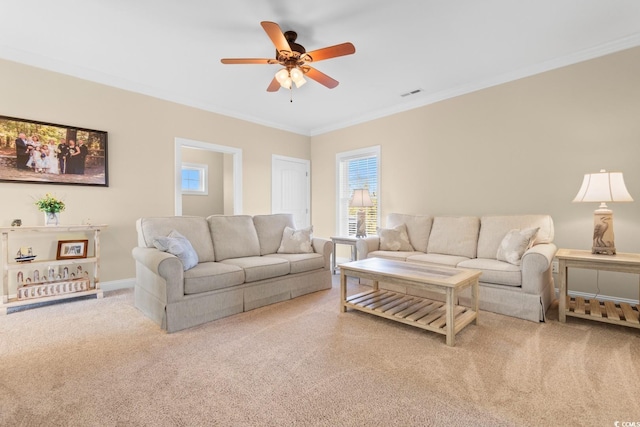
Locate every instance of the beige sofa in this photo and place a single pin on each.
(238, 268)
(522, 288)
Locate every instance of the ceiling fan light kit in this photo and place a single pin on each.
(295, 59)
(285, 77)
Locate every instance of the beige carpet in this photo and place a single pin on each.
(302, 363)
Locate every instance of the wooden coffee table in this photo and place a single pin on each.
(445, 318)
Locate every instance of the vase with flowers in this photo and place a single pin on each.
(51, 206)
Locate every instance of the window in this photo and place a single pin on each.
(195, 179)
(357, 169)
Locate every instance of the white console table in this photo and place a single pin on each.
(50, 290)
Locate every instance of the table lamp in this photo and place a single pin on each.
(603, 187)
(361, 199)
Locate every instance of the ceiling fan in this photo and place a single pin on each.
(295, 59)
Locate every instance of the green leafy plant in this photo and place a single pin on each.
(49, 203)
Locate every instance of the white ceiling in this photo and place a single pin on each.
(171, 49)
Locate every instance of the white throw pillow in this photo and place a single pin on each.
(515, 244)
(394, 239)
(178, 245)
(296, 241)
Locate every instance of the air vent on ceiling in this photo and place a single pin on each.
(413, 92)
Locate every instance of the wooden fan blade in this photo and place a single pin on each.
(274, 86)
(332, 52)
(248, 61)
(275, 34)
(321, 78)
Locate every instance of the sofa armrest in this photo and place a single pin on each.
(366, 245)
(536, 267)
(324, 247)
(164, 265)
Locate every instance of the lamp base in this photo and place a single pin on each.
(361, 224)
(603, 250)
(603, 240)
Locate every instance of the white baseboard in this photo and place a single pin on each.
(599, 296)
(114, 285)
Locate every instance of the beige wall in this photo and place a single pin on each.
(213, 202)
(142, 132)
(520, 147)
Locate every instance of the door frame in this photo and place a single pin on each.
(237, 170)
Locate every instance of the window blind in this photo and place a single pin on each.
(357, 171)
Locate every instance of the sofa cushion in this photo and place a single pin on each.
(494, 271)
(448, 260)
(514, 245)
(493, 228)
(418, 228)
(209, 276)
(269, 229)
(194, 228)
(260, 267)
(394, 239)
(299, 263)
(178, 245)
(235, 235)
(296, 241)
(455, 236)
(394, 255)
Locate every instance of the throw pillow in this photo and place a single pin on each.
(178, 245)
(296, 241)
(394, 239)
(515, 244)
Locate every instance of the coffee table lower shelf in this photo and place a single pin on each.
(411, 310)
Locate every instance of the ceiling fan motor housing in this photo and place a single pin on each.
(294, 58)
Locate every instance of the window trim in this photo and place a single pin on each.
(204, 178)
(355, 154)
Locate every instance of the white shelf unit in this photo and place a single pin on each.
(8, 264)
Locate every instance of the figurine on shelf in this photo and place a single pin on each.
(16, 222)
(20, 277)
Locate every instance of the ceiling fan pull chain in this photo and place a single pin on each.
(291, 93)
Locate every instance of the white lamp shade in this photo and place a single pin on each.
(295, 74)
(360, 199)
(603, 187)
(283, 78)
(300, 81)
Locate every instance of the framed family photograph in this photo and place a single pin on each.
(72, 249)
(48, 153)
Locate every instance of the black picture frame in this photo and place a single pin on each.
(79, 166)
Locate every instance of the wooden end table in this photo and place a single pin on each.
(445, 318)
(343, 240)
(624, 314)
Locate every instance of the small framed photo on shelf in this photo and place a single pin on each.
(72, 249)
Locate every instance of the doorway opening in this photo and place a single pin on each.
(232, 173)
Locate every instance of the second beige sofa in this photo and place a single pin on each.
(522, 288)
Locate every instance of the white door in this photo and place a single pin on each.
(290, 188)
